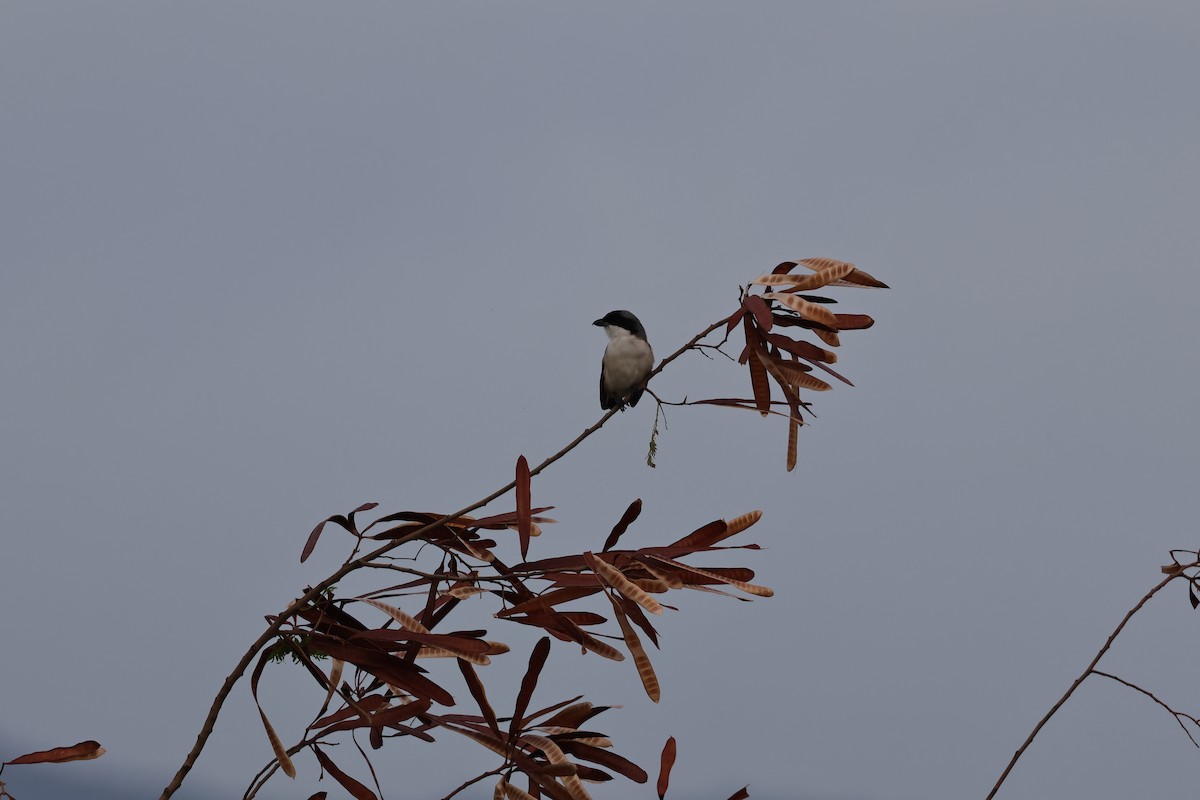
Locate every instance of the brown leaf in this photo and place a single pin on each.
(605, 758)
(734, 319)
(513, 792)
(614, 578)
(640, 659)
(548, 600)
(761, 311)
(830, 338)
(740, 794)
(311, 543)
(386, 667)
(480, 695)
(853, 322)
(537, 660)
(631, 513)
(805, 350)
(758, 373)
(804, 308)
(524, 523)
(555, 756)
(84, 751)
(356, 789)
(804, 283)
(705, 535)
(406, 620)
(319, 796)
(741, 523)
(855, 278)
(664, 770)
(748, 588)
(285, 762)
(793, 441)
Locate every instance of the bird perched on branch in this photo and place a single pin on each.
(628, 360)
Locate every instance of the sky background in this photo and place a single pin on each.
(261, 263)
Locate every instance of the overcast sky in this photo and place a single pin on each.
(261, 263)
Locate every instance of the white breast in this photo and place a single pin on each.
(627, 361)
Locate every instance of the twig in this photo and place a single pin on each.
(1091, 669)
(474, 781)
(1179, 715)
(272, 630)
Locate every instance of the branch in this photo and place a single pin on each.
(1179, 715)
(273, 629)
(1091, 669)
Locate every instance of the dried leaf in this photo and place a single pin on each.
(804, 283)
(548, 600)
(334, 680)
(640, 659)
(793, 441)
(480, 695)
(758, 373)
(830, 338)
(406, 620)
(356, 789)
(537, 660)
(855, 278)
(761, 311)
(631, 513)
(664, 770)
(614, 578)
(605, 758)
(740, 794)
(524, 523)
(804, 308)
(748, 588)
(555, 756)
(514, 792)
(853, 322)
(741, 523)
(84, 751)
(805, 350)
(281, 755)
(705, 535)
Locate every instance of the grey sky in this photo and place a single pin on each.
(260, 263)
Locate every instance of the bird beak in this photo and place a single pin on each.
(600, 322)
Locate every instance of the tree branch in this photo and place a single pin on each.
(273, 629)
(1091, 669)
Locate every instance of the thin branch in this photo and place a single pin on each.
(475, 780)
(272, 630)
(1091, 668)
(1179, 715)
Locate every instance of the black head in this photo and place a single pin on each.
(623, 319)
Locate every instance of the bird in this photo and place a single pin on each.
(627, 362)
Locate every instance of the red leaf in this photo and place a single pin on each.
(524, 523)
(853, 322)
(477, 691)
(537, 659)
(761, 311)
(664, 770)
(623, 524)
(703, 536)
(758, 373)
(547, 600)
(740, 794)
(58, 755)
(352, 786)
(319, 796)
(806, 350)
(734, 319)
(605, 758)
